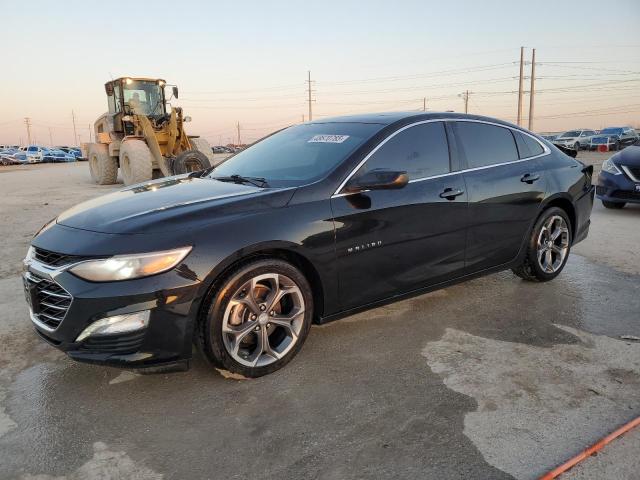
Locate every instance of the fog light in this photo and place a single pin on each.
(117, 324)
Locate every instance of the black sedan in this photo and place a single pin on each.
(619, 179)
(310, 224)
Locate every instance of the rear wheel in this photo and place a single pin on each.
(103, 168)
(548, 247)
(576, 146)
(190, 161)
(136, 162)
(257, 318)
(614, 205)
(201, 145)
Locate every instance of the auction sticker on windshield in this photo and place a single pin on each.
(328, 138)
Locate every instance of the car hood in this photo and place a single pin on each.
(629, 156)
(170, 204)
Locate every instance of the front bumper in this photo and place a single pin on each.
(617, 188)
(171, 299)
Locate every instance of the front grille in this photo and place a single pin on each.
(121, 344)
(626, 195)
(49, 301)
(635, 172)
(54, 259)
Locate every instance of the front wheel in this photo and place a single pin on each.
(257, 318)
(547, 248)
(136, 162)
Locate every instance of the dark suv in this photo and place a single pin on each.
(312, 223)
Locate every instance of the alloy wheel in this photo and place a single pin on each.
(263, 320)
(553, 244)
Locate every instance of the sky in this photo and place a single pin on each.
(246, 62)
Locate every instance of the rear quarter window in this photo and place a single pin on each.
(483, 144)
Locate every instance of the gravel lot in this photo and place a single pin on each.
(495, 378)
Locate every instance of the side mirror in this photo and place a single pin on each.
(175, 91)
(378, 179)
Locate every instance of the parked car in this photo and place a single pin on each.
(575, 139)
(615, 138)
(619, 179)
(34, 153)
(7, 156)
(312, 223)
(220, 149)
(21, 157)
(57, 156)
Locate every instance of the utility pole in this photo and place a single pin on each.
(424, 104)
(520, 85)
(50, 137)
(309, 92)
(532, 92)
(90, 138)
(238, 127)
(303, 118)
(465, 97)
(27, 122)
(76, 138)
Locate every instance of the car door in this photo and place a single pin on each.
(505, 185)
(393, 241)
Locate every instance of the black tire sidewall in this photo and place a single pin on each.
(532, 246)
(179, 163)
(219, 297)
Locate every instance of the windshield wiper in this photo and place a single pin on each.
(256, 181)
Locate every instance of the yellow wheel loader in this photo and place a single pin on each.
(143, 135)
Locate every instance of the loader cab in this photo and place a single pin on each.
(142, 96)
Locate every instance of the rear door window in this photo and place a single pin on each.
(483, 144)
(422, 151)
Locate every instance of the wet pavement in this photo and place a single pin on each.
(493, 378)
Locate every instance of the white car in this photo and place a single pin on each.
(35, 153)
(575, 139)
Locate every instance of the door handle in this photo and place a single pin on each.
(530, 178)
(450, 193)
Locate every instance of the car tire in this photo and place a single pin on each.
(232, 334)
(617, 146)
(537, 265)
(613, 205)
(576, 146)
(136, 162)
(190, 161)
(103, 168)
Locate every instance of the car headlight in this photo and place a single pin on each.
(609, 167)
(127, 267)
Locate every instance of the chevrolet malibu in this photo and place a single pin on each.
(315, 222)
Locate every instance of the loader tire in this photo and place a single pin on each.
(201, 145)
(136, 162)
(103, 168)
(190, 161)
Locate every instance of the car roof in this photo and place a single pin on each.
(388, 118)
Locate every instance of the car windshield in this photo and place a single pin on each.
(572, 133)
(612, 131)
(298, 155)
